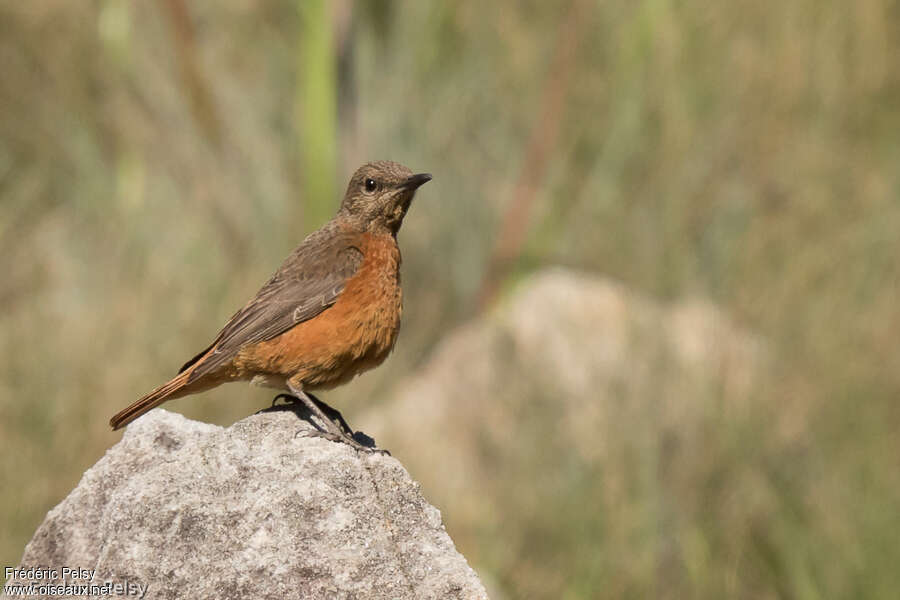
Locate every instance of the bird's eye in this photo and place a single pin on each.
(371, 184)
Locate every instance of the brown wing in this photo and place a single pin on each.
(308, 282)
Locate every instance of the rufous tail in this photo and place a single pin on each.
(166, 391)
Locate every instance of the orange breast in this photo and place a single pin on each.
(352, 336)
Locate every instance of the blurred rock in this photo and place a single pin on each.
(252, 511)
(574, 398)
(577, 342)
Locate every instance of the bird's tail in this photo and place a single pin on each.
(167, 391)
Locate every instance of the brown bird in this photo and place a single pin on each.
(331, 311)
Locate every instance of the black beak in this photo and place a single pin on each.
(416, 180)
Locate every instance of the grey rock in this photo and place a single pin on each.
(257, 510)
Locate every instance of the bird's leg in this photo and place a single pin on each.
(331, 412)
(332, 431)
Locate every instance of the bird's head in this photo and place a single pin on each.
(379, 195)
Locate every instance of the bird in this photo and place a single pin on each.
(330, 312)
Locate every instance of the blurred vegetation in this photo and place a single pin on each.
(158, 160)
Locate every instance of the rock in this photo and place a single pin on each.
(257, 510)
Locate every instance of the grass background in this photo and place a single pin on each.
(158, 160)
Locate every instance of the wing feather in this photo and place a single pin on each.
(308, 282)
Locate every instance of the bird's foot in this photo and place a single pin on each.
(288, 399)
(333, 414)
(342, 438)
(334, 427)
